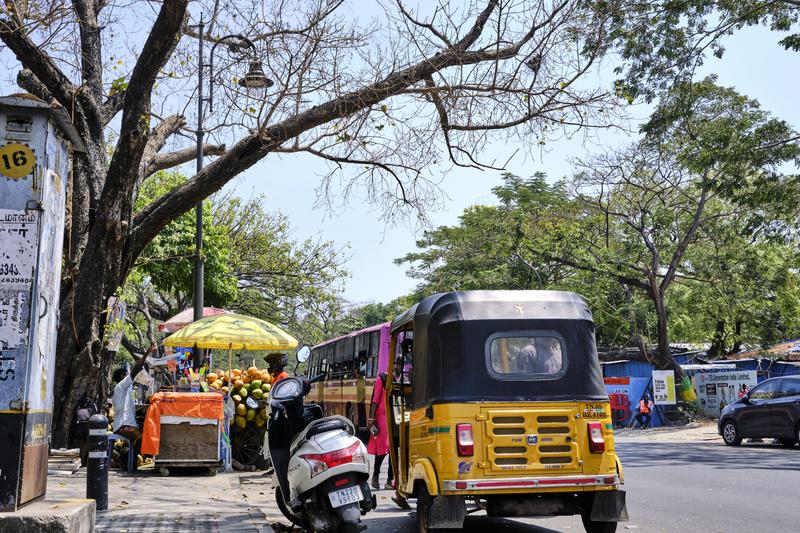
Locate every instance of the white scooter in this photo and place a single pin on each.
(321, 467)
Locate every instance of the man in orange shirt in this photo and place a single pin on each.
(276, 362)
(645, 411)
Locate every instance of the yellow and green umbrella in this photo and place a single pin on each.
(232, 332)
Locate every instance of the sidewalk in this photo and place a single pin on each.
(693, 432)
(146, 502)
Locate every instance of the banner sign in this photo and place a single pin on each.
(715, 390)
(664, 387)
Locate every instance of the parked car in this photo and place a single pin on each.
(769, 410)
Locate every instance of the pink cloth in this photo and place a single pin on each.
(379, 444)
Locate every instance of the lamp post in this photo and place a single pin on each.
(254, 79)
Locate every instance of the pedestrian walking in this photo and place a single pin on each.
(379, 436)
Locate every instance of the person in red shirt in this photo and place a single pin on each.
(276, 362)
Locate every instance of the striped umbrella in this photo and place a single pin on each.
(231, 331)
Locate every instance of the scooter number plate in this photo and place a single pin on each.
(344, 496)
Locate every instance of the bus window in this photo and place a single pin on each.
(374, 353)
(312, 364)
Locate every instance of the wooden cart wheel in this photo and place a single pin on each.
(247, 443)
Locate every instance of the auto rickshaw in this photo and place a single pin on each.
(498, 402)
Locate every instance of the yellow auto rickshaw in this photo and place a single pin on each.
(498, 403)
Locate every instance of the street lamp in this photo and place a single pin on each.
(254, 79)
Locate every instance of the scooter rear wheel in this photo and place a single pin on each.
(296, 520)
(351, 528)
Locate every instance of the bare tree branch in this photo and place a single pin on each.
(40, 64)
(163, 161)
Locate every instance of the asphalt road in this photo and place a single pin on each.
(687, 487)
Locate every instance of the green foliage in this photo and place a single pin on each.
(279, 279)
(696, 225)
(726, 138)
(168, 259)
(663, 41)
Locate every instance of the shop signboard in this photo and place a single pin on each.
(664, 387)
(715, 390)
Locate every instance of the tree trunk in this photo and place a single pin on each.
(718, 344)
(663, 356)
(82, 365)
(737, 337)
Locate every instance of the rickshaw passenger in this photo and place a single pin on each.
(527, 358)
(550, 355)
(542, 355)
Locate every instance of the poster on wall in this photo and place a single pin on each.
(664, 387)
(715, 390)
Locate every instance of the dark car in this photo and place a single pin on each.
(770, 410)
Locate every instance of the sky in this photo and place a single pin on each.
(754, 64)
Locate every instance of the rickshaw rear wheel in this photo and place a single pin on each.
(593, 526)
(424, 503)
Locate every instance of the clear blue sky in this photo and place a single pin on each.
(754, 64)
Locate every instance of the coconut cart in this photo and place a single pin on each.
(241, 434)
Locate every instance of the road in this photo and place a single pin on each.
(687, 487)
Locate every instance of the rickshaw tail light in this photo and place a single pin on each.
(464, 441)
(597, 443)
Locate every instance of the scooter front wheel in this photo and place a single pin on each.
(296, 520)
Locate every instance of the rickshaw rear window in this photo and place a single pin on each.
(526, 356)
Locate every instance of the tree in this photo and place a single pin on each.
(278, 279)
(252, 264)
(749, 288)
(643, 214)
(389, 101)
(626, 231)
(663, 41)
(489, 249)
(167, 261)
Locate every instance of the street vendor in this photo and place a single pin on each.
(276, 362)
(124, 406)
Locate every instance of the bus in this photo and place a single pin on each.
(351, 363)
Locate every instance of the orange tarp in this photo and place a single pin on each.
(187, 404)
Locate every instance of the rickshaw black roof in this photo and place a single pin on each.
(452, 332)
(499, 305)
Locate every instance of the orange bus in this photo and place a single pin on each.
(352, 363)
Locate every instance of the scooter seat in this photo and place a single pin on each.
(323, 426)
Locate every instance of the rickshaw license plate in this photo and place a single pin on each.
(347, 495)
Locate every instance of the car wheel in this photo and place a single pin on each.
(787, 443)
(730, 434)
